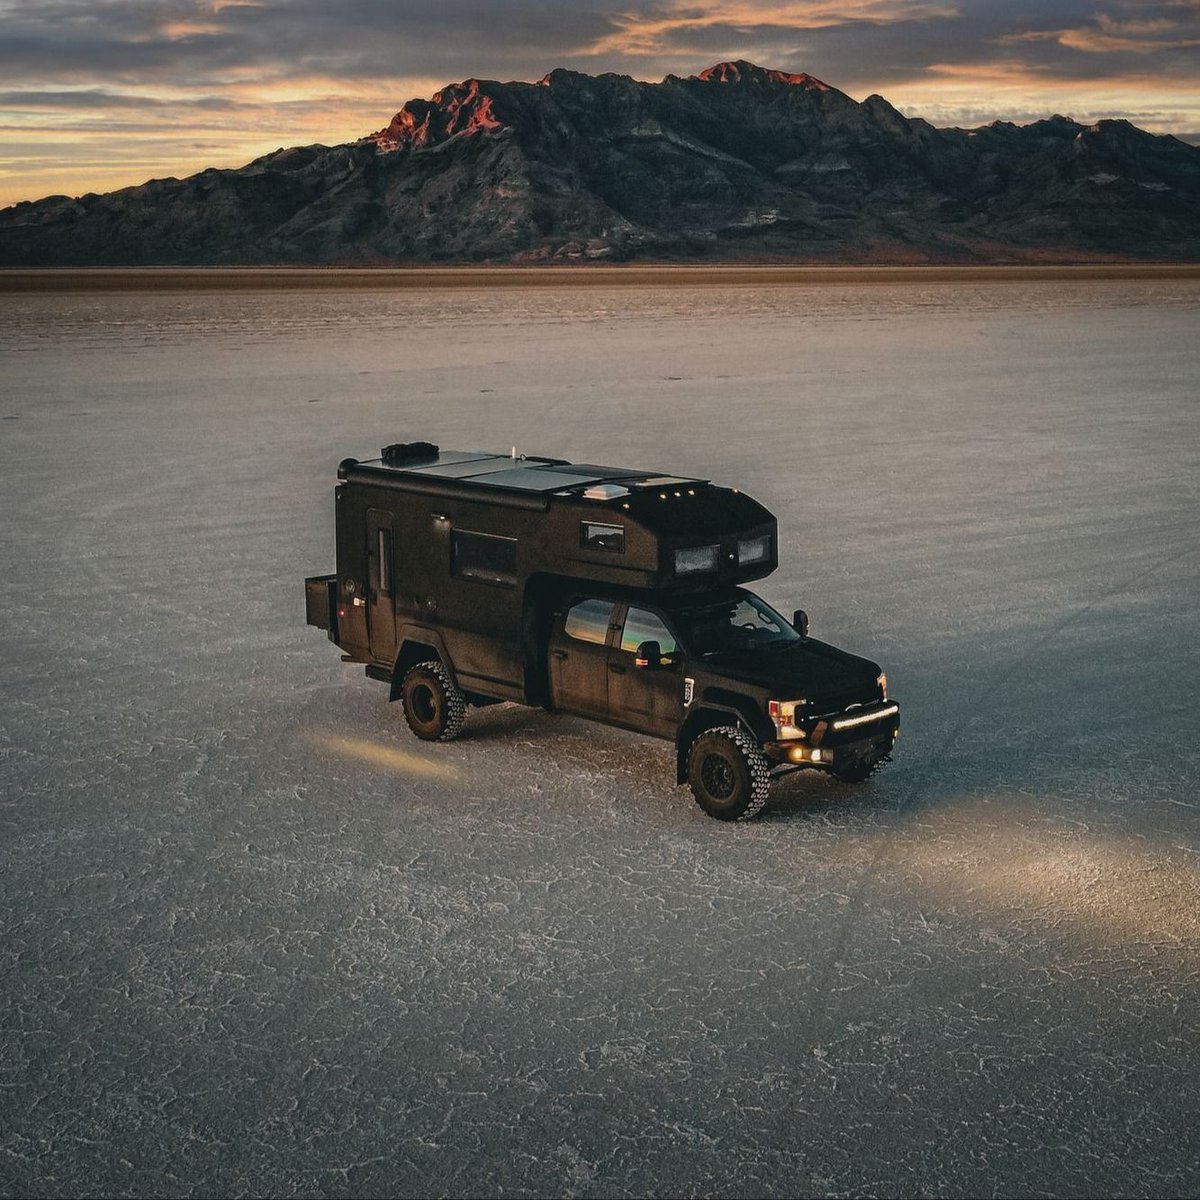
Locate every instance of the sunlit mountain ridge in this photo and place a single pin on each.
(736, 163)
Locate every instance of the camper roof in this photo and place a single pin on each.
(525, 473)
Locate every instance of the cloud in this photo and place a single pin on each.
(1107, 35)
(659, 29)
(191, 40)
(91, 99)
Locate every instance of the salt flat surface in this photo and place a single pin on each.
(254, 938)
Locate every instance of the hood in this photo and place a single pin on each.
(825, 676)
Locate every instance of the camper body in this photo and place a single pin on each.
(612, 593)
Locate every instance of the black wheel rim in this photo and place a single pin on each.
(424, 704)
(717, 776)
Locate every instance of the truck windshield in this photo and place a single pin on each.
(733, 626)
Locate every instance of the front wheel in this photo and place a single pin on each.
(728, 774)
(433, 706)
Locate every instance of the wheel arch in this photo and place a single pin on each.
(418, 645)
(711, 714)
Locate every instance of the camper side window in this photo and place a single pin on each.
(483, 556)
(385, 561)
(588, 621)
(594, 536)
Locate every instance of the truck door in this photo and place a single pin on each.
(648, 699)
(381, 586)
(579, 658)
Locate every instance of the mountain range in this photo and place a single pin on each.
(737, 163)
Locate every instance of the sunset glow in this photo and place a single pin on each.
(112, 93)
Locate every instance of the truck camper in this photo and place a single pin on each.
(469, 578)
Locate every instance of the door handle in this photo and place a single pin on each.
(616, 668)
(558, 653)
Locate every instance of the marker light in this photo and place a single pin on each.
(882, 681)
(783, 716)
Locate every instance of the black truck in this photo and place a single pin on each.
(468, 578)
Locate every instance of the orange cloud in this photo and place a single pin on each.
(1110, 36)
(653, 33)
(1096, 42)
(184, 29)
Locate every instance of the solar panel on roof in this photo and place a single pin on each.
(531, 479)
(463, 468)
(537, 475)
(456, 456)
(598, 472)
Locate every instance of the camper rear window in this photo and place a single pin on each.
(593, 536)
(483, 556)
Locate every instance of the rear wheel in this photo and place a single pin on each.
(433, 706)
(728, 774)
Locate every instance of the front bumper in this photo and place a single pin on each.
(825, 741)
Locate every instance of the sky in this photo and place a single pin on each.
(101, 94)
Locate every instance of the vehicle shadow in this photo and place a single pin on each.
(1000, 734)
(570, 743)
(499, 721)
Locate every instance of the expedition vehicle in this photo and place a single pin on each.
(467, 578)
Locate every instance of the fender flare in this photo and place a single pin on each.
(711, 713)
(417, 644)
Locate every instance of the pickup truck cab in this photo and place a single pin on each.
(724, 664)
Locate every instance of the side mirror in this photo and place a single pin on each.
(800, 621)
(648, 656)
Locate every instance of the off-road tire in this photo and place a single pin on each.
(433, 706)
(728, 774)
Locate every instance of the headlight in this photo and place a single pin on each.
(882, 681)
(783, 716)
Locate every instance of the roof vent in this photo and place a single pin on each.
(605, 491)
(404, 454)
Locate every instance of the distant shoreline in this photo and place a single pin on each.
(191, 279)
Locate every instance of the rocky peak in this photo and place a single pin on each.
(743, 72)
(460, 108)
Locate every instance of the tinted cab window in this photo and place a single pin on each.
(642, 626)
(588, 621)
